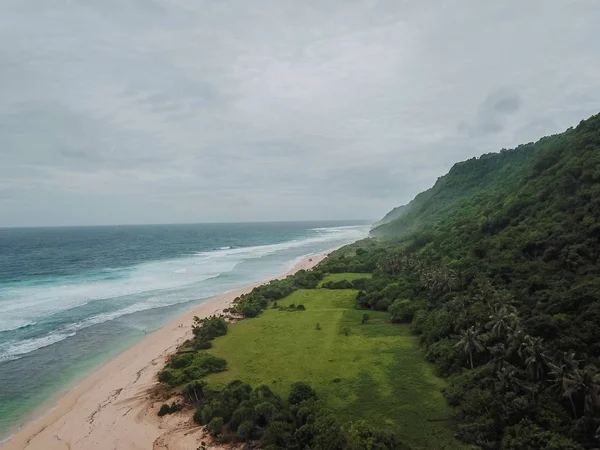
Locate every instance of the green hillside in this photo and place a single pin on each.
(496, 269)
(501, 258)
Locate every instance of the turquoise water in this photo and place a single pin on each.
(73, 298)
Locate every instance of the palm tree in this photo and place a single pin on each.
(537, 359)
(502, 320)
(439, 280)
(517, 340)
(470, 342)
(499, 356)
(585, 383)
(561, 375)
(506, 378)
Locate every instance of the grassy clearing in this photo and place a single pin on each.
(376, 373)
(335, 277)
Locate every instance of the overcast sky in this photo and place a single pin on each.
(162, 111)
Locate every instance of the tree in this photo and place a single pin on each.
(470, 342)
(215, 426)
(506, 377)
(537, 360)
(517, 340)
(402, 311)
(561, 375)
(300, 392)
(585, 385)
(502, 319)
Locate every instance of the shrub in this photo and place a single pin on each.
(194, 391)
(278, 434)
(346, 331)
(402, 311)
(210, 411)
(209, 328)
(365, 318)
(244, 413)
(342, 284)
(301, 392)
(527, 435)
(170, 377)
(300, 308)
(181, 361)
(318, 326)
(215, 426)
(245, 431)
(164, 410)
(202, 345)
(176, 407)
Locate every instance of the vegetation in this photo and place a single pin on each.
(240, 413)
(334, 278)
(497, 269)
(375, 374)
(254, 303)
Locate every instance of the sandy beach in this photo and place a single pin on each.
(113, 409)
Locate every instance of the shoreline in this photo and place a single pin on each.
(112, 408)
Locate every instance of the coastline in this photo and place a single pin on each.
(113, 407)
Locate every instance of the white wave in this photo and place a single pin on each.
(13, 350)
(132, 291)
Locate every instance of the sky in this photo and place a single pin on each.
(168, 111)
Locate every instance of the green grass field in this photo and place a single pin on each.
(344, 276)
(376, 373)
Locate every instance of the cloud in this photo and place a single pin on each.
(494, 113)
(181, 110)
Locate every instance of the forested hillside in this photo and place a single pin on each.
(497, 268)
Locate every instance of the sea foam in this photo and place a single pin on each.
(56, 309)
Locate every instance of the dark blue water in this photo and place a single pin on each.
(71, 298)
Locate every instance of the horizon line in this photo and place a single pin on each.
(367, 222)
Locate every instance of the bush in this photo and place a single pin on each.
(215, 426)
(342, 284)
(245, 431)
(318, 326)
(402, 311)
(170, 377)
(164, 410)
(365, 318)
(301, 392)
(528, 436)
(363, 437)
(209, 328)
(210, 411)
(346, 331)
(202, 345)
(194, 391)
(278, 434)
(300, 308)
(244, 413)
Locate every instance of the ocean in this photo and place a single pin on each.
(72, 298)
